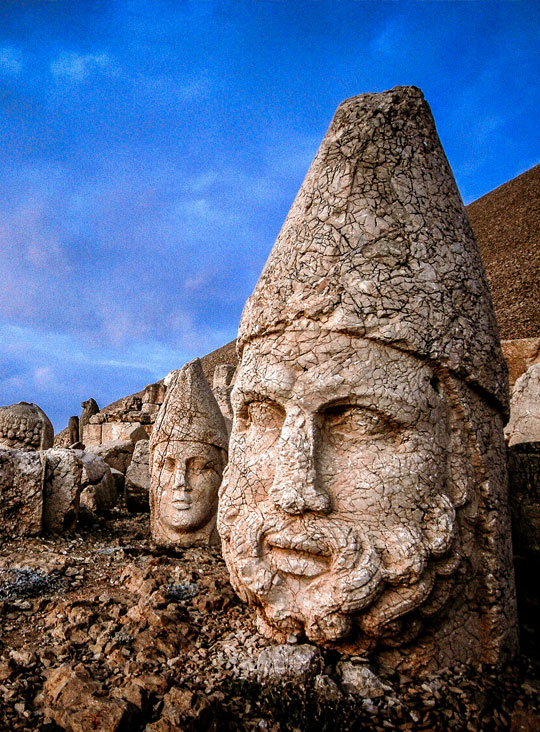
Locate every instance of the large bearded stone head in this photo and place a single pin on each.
(366, 457)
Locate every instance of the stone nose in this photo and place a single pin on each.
(295, 488)
(180, 479)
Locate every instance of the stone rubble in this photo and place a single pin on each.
(160, 643)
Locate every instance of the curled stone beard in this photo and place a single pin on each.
(359, 579)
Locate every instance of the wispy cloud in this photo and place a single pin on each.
(79, 67)
(11, 62)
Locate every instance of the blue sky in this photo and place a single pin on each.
(151, 149)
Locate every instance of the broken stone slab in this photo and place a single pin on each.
(62, 490)
(117, 454)
(289, 663)
(76, 702)
(98, 492)
(21, 492)
(137, 482)
(25, 426)
(524, 424)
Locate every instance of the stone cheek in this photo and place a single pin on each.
(343, 517)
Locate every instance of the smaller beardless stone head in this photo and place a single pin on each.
(188, 450)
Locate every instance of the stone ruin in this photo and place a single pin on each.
(188, 452)
(364, 505)
(25, 426)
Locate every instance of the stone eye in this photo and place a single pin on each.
(262, 415)
(170, 464)
(356, 420)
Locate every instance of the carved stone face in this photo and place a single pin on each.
(335, 503)
(187, 477)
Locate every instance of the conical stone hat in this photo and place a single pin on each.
(378, 244)
(190, 412)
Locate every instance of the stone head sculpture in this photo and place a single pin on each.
(25, 426)
(188, 453)
(363, 505)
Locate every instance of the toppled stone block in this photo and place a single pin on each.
(289, 663)
(117, 454)
(62, 490)
(98, 492)
(21, 492)
(25, 426)
(137, 482)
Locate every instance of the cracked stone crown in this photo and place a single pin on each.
(381, 247)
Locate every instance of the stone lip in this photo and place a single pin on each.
(381, 246)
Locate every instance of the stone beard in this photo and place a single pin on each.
(338, 508)
(186, 476)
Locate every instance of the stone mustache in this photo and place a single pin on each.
(364, 503)
(188, 452)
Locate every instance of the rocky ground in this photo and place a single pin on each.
(101, 632)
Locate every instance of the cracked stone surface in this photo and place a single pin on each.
(62, 488)
(188, 452)
(365, 502)
(25, 426)
(21, 492)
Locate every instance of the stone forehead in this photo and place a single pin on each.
(377, 244)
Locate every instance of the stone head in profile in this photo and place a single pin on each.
(363, 505)
(188, 453)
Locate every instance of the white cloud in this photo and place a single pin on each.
(10, 61)
(78, 67)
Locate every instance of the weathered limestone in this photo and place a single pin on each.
(188, 452)
(364, 505)
(117, 454)
(25, 426)
(524, 424)
(137, 483)
(62, 490)
(98, 487)
(21, 492)
(73, 430)
(222, 388)
(519, 354)
(90, 407)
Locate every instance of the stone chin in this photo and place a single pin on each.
(333, 583)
